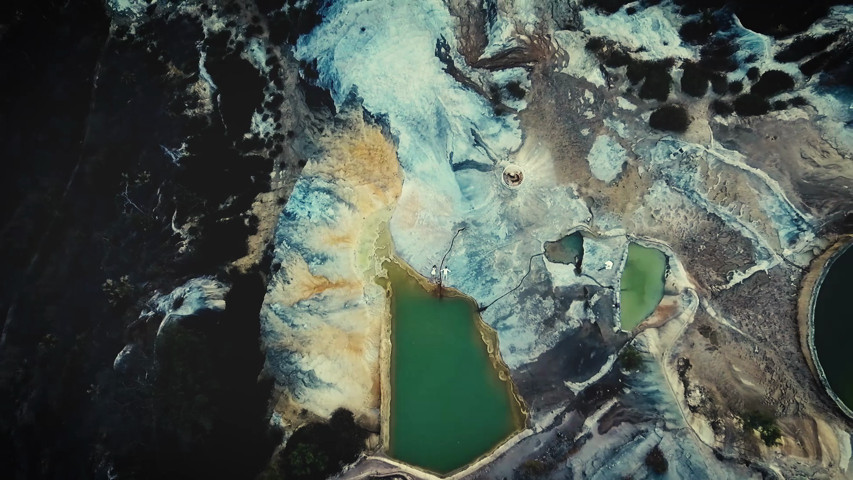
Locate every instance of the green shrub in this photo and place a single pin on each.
(516, 90)
(764, 423)
(656, 462)
(772, 83)
(805, 46)
(319, 450)
(630, 358)
(722, 108)
(698, 32)
(748, 105)
(752, 73)
(595, 44)
(671, 118)
(719, 84)
(657, 85)
(694, 81)
(736, 86)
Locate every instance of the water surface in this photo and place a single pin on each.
(567, 250)
(833, 326)
(448, 404)
(642, 283)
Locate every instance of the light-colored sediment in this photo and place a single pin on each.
(339, 299)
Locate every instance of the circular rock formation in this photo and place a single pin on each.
(513, 176)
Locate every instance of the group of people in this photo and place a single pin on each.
(444, 272)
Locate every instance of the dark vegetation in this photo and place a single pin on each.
(764, 423)
(241, 89)
(718, 56)
(721, 107)
(694, 80)
(719, 84)
(836, 63)
(208, 411)
(656, 461)
(750, 104)
(806, 45)
(699, 31)
(655, 77)
(515, 89)
(753, 73)
(736, 86)
(630, 358)
(779, 19)
(83, 251)
(298, 18)
(772, 83)
(672, 118)
(657, 81)
(606, 6)
(319, 450)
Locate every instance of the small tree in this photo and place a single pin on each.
(749, 104)
(672, 118)
(765, 424)
(656, 462)
(630, 358)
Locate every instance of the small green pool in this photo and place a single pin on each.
(567, 250)
(448, 404)
(642, 283)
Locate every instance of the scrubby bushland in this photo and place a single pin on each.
(772, 83)
(617, 58)
(722, 108)
(656, 462)
(694, 81)
(719, 84)
(749, 104)
(836, 62)
(736, 86)
(595, 44)
(699, 31)
(657, 78)
(780, 18)
(671, 118)
(717, 56)
(765, 424)
(752, 73)
(319, 450)
(630, 358)
(805, 46)
(516, 90)
(606, 6)
(657, 85)
(798, 102)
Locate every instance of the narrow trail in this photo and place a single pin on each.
(520, 282)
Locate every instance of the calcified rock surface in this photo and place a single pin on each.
(459, 93)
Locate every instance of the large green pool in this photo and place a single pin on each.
(642, 284)
(448, 404)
